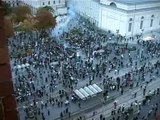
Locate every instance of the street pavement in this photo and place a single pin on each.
(123, 100)
(96, 101)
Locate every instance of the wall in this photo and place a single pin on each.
(55, 4)
(13, 3)
(7, 98)
(125, 6)
(40, 3)
(147, 20)
(113, 20)
(87, 8)
(62, 11)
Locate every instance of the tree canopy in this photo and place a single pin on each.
(28, 24)
(21, 12)
(45, 8)
(21, 19)
(7, 8)
(45, 20)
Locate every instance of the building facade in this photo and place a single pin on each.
(15, 3)
(125, 17)
(87, 8)
(59, 6)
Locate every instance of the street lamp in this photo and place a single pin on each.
(142, 33)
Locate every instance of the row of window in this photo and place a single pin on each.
(141, 23)
(13, 4)
(54, 2)
(12, 1)
(49, 3)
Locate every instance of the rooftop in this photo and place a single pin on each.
(136, 1)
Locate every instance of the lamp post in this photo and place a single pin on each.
(142, 34)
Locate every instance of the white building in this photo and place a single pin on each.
(58, 5)
(125, 17)
(13, 3)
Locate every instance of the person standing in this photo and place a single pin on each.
(115, 104)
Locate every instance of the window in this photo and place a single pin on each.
(151, 23)
(59, 1)
(54, 2)
(113, 4)
(141, 23)
(130, 25)
(43, 3)
(48, 2)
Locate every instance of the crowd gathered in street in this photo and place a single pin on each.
(47, 69)
(147, 109)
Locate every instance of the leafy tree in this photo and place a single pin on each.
(21, 12)
(7, 8)
(45, 20)
(28, 24)
(45, 8)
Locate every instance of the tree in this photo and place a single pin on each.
(45, 8)
(45, 20)
(8, 26)
(28, 24)
(7, 8)
(21, 12)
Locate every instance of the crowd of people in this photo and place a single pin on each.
(147, 109)
(57, 66)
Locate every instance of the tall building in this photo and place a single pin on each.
(125, 17)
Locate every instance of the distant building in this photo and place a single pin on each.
(58, 5)
(125, 17)
(13, 3)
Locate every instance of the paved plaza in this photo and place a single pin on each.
(47, 70)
